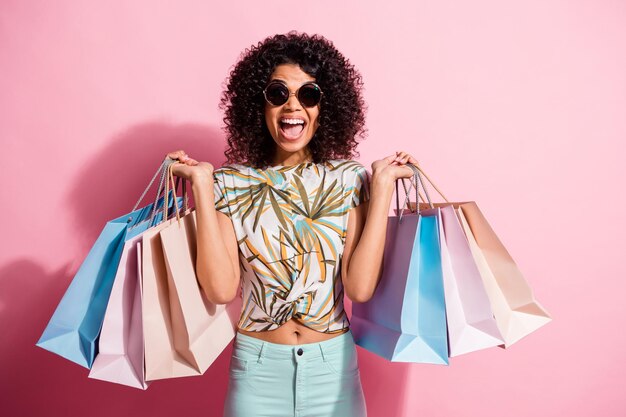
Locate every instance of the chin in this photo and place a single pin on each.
(291, 145)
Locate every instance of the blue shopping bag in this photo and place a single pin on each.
(73, 330)
(405, 320)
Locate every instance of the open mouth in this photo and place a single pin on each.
(291, 128)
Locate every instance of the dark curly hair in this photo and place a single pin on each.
(342, 111)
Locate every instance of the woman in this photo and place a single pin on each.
(300, 225)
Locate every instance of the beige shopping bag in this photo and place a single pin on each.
(201, 329)
(161, 359)
(515, 308)
(120, 345)
(184, 332)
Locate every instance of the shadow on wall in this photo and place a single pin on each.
(114, 179)
(35, 382)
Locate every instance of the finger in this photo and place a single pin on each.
(402, 158)
(180, 154)
(405, 172)
(409, 172)
(408, 158)
(399, 155)
(175, 169)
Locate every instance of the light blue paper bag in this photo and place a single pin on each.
(405, 320)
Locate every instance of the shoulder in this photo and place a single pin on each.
(357, 181)
(232, 171)
(353, 170)
(347, 165)
(228, 169)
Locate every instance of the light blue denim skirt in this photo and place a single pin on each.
(307, 380)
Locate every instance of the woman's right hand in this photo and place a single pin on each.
(190, 169)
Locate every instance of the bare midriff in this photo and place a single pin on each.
(291, 333)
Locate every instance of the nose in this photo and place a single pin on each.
(292, 101)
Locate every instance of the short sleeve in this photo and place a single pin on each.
(219, 191)
(359, 190)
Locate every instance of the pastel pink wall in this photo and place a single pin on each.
(519, 106)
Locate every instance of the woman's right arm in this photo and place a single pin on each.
(217, 263)
(217, 257)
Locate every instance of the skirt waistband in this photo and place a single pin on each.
(279, 351)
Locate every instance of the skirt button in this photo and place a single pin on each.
(300, 351)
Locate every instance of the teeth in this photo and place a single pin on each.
(292, 121)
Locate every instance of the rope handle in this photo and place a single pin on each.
(163, 169)
(421, 171)
(417, 179)
(162, 172)
(170, 181)
(153, 210)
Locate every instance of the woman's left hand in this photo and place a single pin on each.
(392, 167)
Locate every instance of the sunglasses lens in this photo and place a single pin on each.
(309, 95)
(277, 94)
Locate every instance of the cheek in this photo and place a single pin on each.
(269, 120)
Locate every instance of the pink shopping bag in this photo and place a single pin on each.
(471, 324)
(121, 352)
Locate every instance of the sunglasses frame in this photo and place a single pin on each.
(295, 93)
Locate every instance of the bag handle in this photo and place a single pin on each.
(418, 168)
(163, 185)
(417, 179)
(170, 181)
(160, 170)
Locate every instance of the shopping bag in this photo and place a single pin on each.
(471, 325)
(161, 358)
(184, 332)
(201, 329)
(405, 319)
(75, 325)
(120, 356)
(516, 310)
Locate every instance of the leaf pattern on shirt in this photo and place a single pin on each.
(291, 227)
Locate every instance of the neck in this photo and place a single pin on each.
(291, 158)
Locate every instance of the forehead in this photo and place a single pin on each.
(291, 74)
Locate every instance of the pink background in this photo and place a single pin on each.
(518, 106)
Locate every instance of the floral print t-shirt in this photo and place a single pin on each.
(290, 223)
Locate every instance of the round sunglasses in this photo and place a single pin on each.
(309, 94)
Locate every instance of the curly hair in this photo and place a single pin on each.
(342, 111)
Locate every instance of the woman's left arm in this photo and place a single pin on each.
(362, 261)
